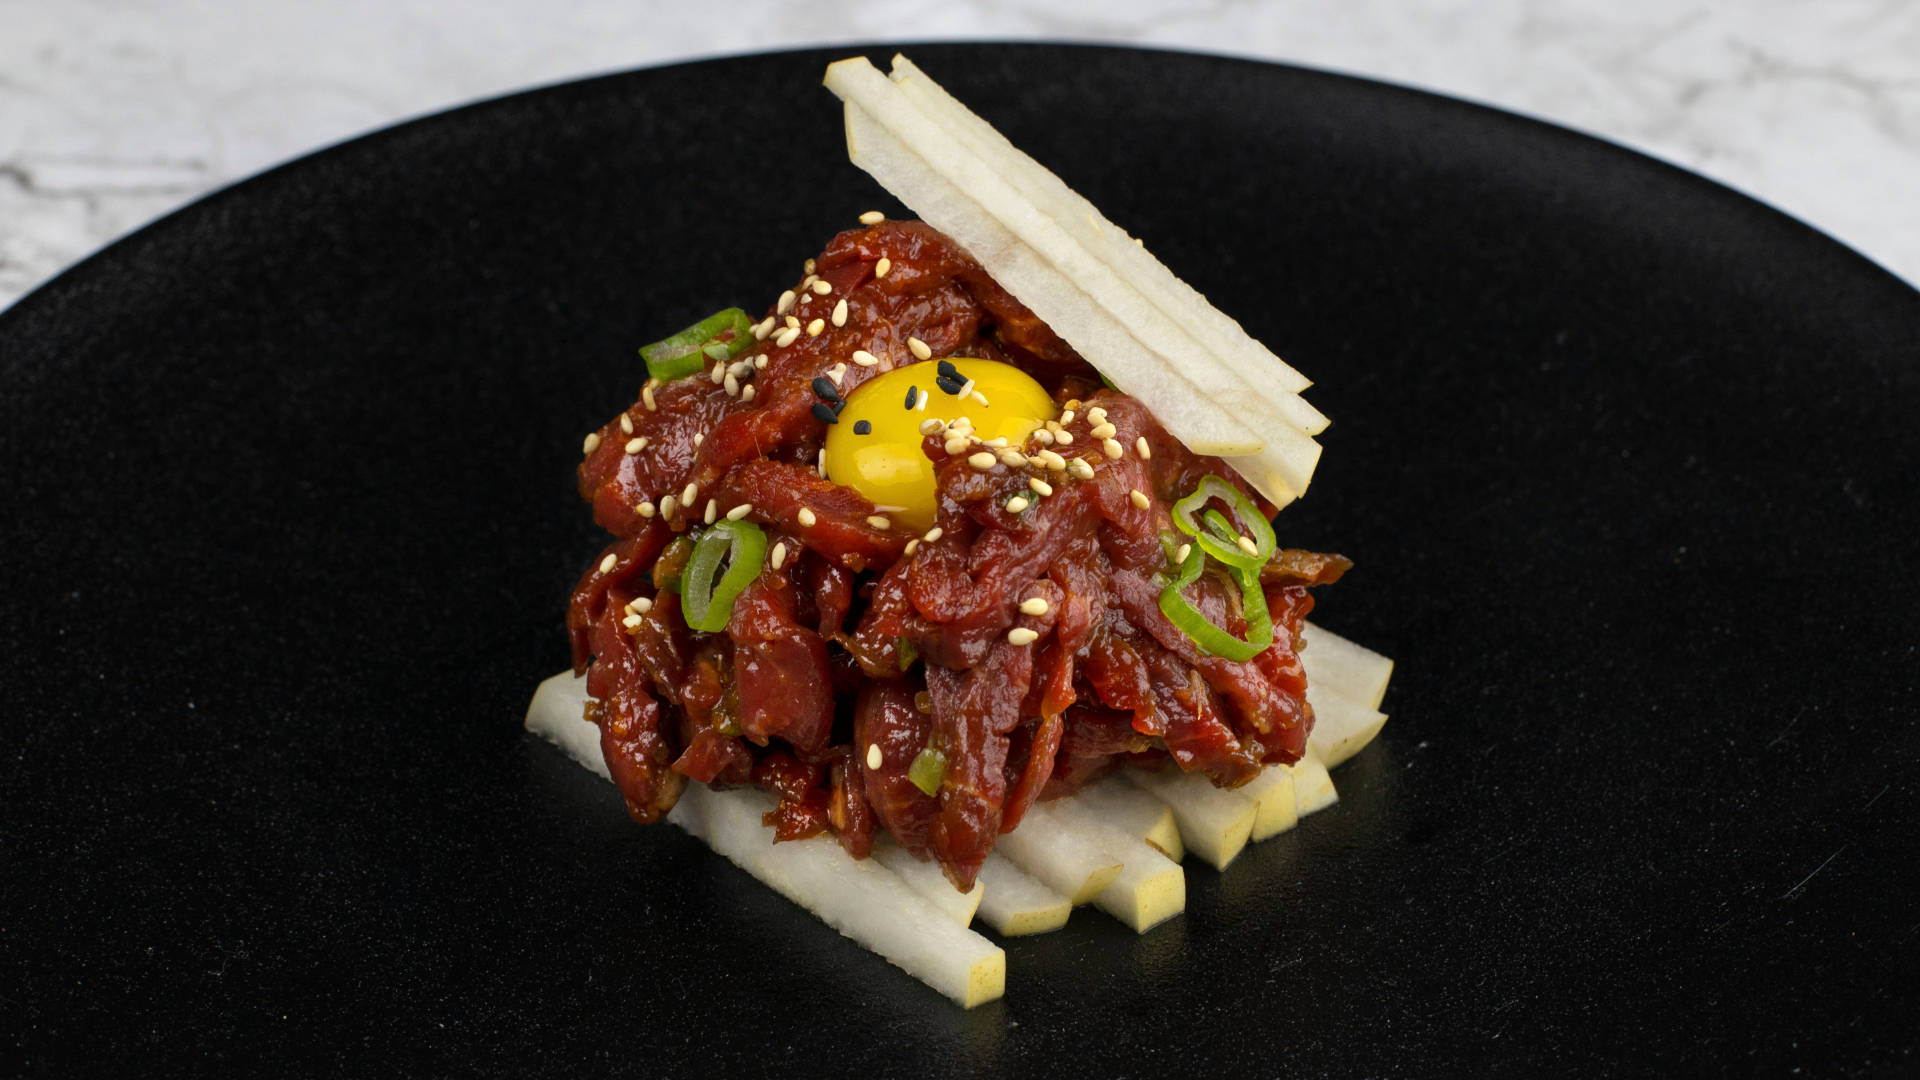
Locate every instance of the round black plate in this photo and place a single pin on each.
(1626, 462)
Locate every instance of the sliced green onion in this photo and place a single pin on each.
(908, 651)
(929, 768)
(1212, 639)
(707, 605)
(689, 351)
(1220, 537)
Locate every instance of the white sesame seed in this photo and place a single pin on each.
(1066, 417)
(712, 513)
(1013, 459)
(731, 383)
(955, 445)
(820, 463)
(1140, 447)
(872, 217)
(668, 505)
(793, 321)
(760, 362)
(631, 622)
(607, 563)
(919, 349)
(746, 392)
(865, 358)
(1034, 605)
(646, 396)
(1080, 468)
(1064, 438)
(807, 283)
(779, 557)
(636, 445)
(626, 424)
(998, 442)
(1247, 545)
(840, 312)
(806, 518)
(1043, 436)
(787, 337)
(1104, 431)
(1020, 635)
(912, 546)
(982, 460)
(809, 266)
(739, 512)
(641, 605)
(1180, 555)
(921, 405)
(814, 327)
(821, 288)
(1052, 460)
(1112, 448)
(590, 443)
(699, 437)
(880, 268)
(836, 373)
(934, 534)
(762, 328)
(687, 493)
(719, 372)
(874, 757)
(785, 303)
(645, 509)
(1017, 505)
(979, 397)
(1139, 498)
(1039, 486)
(931, 426)
(1097, 415)
(879, 522)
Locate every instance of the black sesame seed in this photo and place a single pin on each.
(951, 386)
(913, 394)
(946, 368)
(824, 387)
(862, 427)
(824, 413)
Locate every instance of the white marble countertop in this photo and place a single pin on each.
(113, 112)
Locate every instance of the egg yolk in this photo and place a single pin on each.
(875, 448)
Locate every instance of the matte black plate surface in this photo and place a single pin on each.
(1626, 462)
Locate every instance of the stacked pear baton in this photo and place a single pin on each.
(910, 618)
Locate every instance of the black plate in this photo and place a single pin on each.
(1626, 462)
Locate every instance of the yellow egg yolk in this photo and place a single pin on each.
(875, 448)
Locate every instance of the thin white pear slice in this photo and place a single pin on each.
(1135, 811)
(1273, 793)
(924, 877)
(1151, 888)
(1059, 856)
(1186, 414)
(1312, 785)
(1015, 904)
(1213, 329)
(1289, 451)
(1214, 823)
(1342, 727)
(860, 898)
(1353, 671)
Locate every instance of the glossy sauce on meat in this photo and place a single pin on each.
(852, 655)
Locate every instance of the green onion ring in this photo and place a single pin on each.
(1220, 537)
(1212, 639)
(707, 605)
(689, 351)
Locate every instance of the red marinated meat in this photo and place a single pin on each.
(849, 655)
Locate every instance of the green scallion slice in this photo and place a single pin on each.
(1219, 536)
(1212, 639)
(718, 337)
(705, 603)
(929, 768)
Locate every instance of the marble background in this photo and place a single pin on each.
(113, 112)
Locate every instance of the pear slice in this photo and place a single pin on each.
(860, 898)
(1312, 785)
(1355, 672)
(1214, 823)
(1134, 811)
(1151, 888)
(924, 877)
(1273, 793)
(1183, 369)
(1059, 856)
(1342, 727)
(1015, 904)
